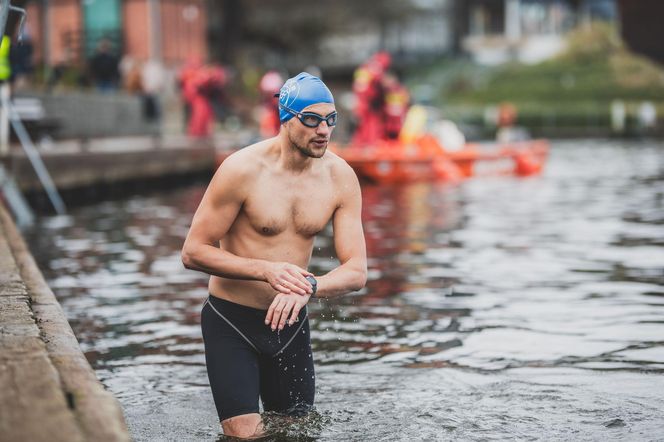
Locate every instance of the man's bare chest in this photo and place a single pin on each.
(300, 207)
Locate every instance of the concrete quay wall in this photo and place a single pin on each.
(48, 391)
(103, 162)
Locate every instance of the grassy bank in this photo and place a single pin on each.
(570, 94)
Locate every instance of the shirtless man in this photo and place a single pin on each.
(253, 233)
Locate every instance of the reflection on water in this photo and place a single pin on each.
(501, 308)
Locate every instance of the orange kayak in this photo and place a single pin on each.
(427, 160)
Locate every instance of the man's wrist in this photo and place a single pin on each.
(261, 267)
(314, 285)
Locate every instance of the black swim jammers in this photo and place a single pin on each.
(246, 359)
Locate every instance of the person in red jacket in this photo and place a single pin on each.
(199, 86)
(370, 99)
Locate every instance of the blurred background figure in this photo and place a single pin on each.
(22, 66)
(153, 79)
(145, 80)
(506, 119)
(370, 99)
(104, 67)
(647, 117)
(132, 81)
(397, 102)
(184, 77)
(269, 110)
(5, 93)
(508, 130)
(381, 101)
(220, 79)
(201, 84)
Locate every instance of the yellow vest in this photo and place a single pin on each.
(5, 66)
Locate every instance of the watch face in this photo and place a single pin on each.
(314, 284)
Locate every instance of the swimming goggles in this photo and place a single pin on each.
(312, 119)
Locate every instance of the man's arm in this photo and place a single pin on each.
(349, 243)
(215, 215)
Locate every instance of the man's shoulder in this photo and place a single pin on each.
(338, 166)
(246, 160)
(238, 171)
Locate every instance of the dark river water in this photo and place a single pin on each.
(501, 308)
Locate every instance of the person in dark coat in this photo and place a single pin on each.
(104, 67)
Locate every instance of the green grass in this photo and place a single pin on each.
(595, 69)
(552, 83)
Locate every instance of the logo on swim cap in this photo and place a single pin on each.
(302, 91)
(289, 92)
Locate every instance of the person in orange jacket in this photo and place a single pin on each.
(397, 101)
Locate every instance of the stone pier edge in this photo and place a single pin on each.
(96, 412)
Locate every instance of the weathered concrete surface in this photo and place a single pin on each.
(48, 391)
(74, 164)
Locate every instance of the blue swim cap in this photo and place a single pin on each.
(301, 91)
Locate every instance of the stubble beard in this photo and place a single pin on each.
(305, 150)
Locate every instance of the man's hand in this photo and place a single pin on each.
(288, 278)
(285, 308)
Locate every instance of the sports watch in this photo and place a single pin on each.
(314, 284)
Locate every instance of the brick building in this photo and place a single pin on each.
(67, 31)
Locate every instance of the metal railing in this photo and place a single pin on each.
(35, 159)
(5, 7)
